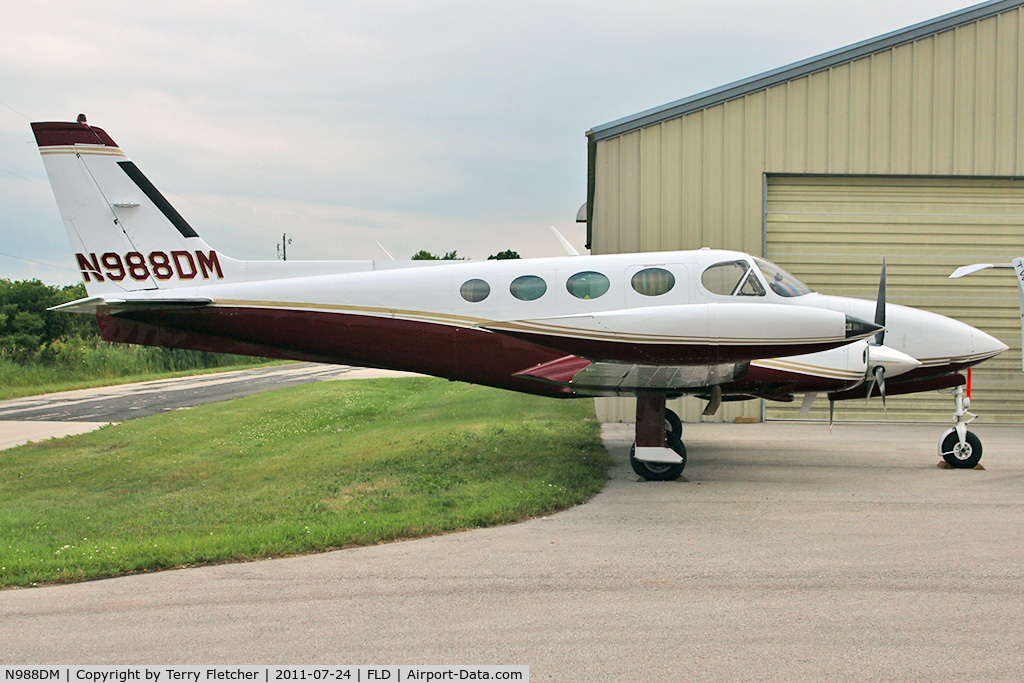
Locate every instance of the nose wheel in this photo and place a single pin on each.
(964, 455)
(960, 448)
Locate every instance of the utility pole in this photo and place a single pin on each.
(282, 248)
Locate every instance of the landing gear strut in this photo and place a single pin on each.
(958, 447)
(658, 453)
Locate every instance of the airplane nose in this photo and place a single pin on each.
(858, 329)
(985, 344)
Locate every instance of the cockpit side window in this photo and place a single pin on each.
(781, 282)
(722, 278)
(751, 285)
(732, 278)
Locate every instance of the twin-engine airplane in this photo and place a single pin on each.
(718, 324)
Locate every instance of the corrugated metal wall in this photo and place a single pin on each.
(950, 104)
(832, 233)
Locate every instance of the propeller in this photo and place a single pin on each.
(878, 375)
(880, 307)
(878, 380)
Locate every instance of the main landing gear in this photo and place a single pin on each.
(960, 448)
(658, 453)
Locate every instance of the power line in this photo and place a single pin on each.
(4, 104)
(40, 263)
(28, 180)
(222, 213)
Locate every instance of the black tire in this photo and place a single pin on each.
(673, 423)
(658, 471)
(962, 458)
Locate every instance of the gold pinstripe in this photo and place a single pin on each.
(561, 331)
(89, 150)
(806, 369)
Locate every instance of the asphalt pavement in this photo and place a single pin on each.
(792, 553)
(72, 412)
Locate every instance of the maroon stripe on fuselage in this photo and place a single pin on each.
(54, 134)
(456, 353)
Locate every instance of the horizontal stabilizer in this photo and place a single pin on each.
(1018, 266)
(112, 306)
(975, 267)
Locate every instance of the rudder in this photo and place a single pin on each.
(125, 234)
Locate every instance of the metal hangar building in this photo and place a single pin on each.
(908, 146)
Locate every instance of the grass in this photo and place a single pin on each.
(77, 363)
(291, 471)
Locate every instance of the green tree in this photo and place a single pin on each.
(424, 255)
(26, 325)
(501, 255)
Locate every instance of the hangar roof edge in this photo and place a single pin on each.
(799, 69)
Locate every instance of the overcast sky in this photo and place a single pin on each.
(433, 125)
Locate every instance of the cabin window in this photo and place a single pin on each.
(528, 288)
(587, 285)
(475, 290)
(781, 282)
(732, 278)
(653, 281)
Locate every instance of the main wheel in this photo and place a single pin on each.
(960, 456)
(660, 471)
(673, 423)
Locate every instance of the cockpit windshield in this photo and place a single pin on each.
(781, 282)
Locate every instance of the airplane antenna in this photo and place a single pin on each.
(569, 249)
(385, 250)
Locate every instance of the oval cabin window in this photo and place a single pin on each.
(587, 285)
(528, 288)
(475, 290)
(653, 281)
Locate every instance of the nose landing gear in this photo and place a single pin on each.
(960, 448)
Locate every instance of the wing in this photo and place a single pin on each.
(626, 379)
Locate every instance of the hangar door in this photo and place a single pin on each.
(832, 232)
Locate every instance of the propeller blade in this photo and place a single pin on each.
(880, 381)
(805, 407)
(880, 306)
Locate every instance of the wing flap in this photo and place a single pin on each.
(627, 379)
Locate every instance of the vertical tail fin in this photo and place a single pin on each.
(125, 234)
